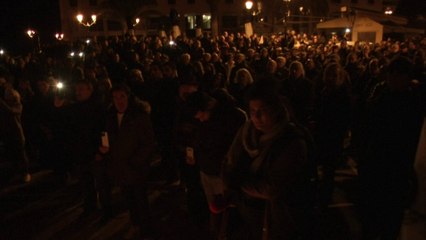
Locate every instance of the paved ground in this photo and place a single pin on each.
(46, 209)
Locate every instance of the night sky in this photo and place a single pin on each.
(19, 15)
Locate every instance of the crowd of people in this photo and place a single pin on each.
(253, 127)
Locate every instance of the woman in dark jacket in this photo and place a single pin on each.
(333, 117)
(300, 93)
(269, 171)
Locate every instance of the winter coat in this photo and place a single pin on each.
(132, 145)
(278, 165)
(216, 136)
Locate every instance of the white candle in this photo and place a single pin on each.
(104, 138)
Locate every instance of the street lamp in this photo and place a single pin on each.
(59, 36)
(388, 11)
(249, 5)
(254, 9)
(257, 8)
(36, 37)
(80, 18)
(137, 21)
(287, 3)
(31, 33)
(286, 13)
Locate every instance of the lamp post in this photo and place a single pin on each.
(287, 13)
(305, 19)
(254, 9)
(80, 18)
(35, 37)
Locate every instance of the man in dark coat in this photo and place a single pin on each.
(84, 126)
(131, 146)
(393, 123)
(220, 121)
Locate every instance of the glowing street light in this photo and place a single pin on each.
(31, 33)
(137, 21)
(59, 36)
(1, 52)
(59, 85)
(34, 35)
(388, 11)
(255, 10)
(80, 19)
(249, 5)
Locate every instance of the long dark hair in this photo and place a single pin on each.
(266, 90)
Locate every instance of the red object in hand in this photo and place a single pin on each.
(218, 205)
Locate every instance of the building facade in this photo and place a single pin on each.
(367, 20)
(154, 16)
(150, 17)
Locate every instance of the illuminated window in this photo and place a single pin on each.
(198, 21)
(191, 22)
(207, 22)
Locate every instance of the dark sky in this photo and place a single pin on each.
(19, 15)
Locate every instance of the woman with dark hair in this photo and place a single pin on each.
(333, 118)
(240, 85)
(299, 91)
(269, 171)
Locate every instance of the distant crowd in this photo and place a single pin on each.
(250, 126)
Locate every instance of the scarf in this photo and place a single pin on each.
(257, 145)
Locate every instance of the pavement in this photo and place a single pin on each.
(46, 208)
